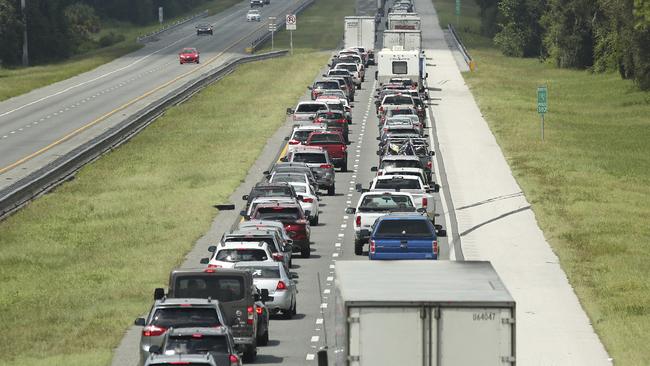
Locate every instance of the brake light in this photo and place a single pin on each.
(153, 331)
(341, 120)
(251, 314)
(429, 164)
(381, 109)
(301, 221)
(209, 270)
(259, 310)
(326, 166)
(358, 221)
(371, 250)
(278, 257)
(425, 201)
(434, 246)
(214, 266)
(308, 199)
(294, 142)
(197, 335)
(234, 360)
(281, 286)
(179, 363)
(380, 173)
(343, 147)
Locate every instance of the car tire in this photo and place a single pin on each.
(359, 87)
(306, 251)
(314, 221)
(358, 247)
(264, 339)
(331, 190)
(250, 353)
(344, 166)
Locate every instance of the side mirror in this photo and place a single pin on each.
(284, 159)
(158, 293)
(287, 138)
(300, 197)
(379, 152)
(378, 138)
(350, 210)
(288, 248)
(242, 213)
(426, 136)
(245, 197)
(140, 322)
(310, 87)
(257, 297)
(205, 260)
(212, 248)
(227, 207)
(426, 75)
(421, 210)
(266, 172)
(440, 231)
(348, 143)
(373, 169)
(293, 275)
(376, 74)
(247, 217)
(311, 118)
(358, 186)
(324, 75)
(155, 349)
(265, 295)
(290, 111)
(436, 187)
(432, 153)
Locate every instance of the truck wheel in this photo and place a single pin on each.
(331, 190)
(250, 353)
(358, 247)
(306, 251)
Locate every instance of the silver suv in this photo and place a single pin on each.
(319, 162)
(177, 313)
(181, 359)
(218, 342)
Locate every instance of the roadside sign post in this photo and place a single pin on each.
(542, 104)
(272, 29)
(291, 26)
(457, 13)
(160, 14)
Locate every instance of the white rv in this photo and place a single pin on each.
(398, 63)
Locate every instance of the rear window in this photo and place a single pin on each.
(252, 239)
(196, 343)
(300, 189)
(301, 135)
(311, 107)
(222, 288)
(403, 228)
(278, 213)
(326, 85)
(398, 99)
(351, 68)
(400, 67)
(397, 112)
(331, 115)
(288, 178)
(336, 106)
(241, 255)
(262, 271)
(397, 183)
(400, 164)
(326, 138)
(402, 131)
(385, 202)
(271, 192)
(184, 317)
(310, 158)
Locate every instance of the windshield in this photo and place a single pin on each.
(385, 203)
(241, 255)
(311, 107)
(326, 138)
(407, 227)
(222, 288)
(336, 106)
(186, 51)
(310, 158)
(196, 343)
(396, 183)
(262, 271)
(278, 213)
(184, 317)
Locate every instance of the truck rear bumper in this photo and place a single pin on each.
(402, 256)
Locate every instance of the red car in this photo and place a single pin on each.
(294, 220)
(189, 55)
(334, 119)
(334, 144)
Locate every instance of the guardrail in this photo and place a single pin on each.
(64, 168)
(150, 36)
(461, 47)
(259, 41)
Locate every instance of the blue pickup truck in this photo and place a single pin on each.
(403, 236)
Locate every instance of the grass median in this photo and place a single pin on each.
(78, 265)
(21, 80)
(588, 182)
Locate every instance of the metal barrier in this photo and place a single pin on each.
(461, 47)
(150, 36)
(64, 168)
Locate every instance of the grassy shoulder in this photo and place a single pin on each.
(588, 182)
(79, 264)
(21, 80)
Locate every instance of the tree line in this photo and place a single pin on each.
(600, 35)
(58, 29)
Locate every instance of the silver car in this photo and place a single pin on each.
(319, 162)
(277, 279)
(177, 313)
(182, 359)
(306, 111)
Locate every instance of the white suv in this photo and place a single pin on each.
(227, 254)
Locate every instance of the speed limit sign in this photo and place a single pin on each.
(291, 22)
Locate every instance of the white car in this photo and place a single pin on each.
(262, 200)
(309, 203)
(300, 134)
(253, 15)
(227, 254)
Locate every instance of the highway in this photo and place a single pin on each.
(44, 124)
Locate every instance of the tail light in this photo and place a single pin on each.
(381, 109)
(234, 360)
(380, 173)
(341, 120)
(425, 201)
(214, 266)
(326, 166)
(308, 199)
(357, 221)
(281, 286)
(251, 315)
(153, 331)
(301, 221)
(259, 310)
(429, 164)
(343, 147)
(371, 250)
(434, 246)
(278, 257)
(294, 142)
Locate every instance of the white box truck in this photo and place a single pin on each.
(419, 313)
(397, 63)
(360, 32)
(408, 39)
(410, 21)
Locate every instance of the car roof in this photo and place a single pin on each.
(206, 358)
(401, 169)
(279, 204)
(309, 149)
(249, 233)
(403, 215)
(310, 102)
(401, 157)
(396, 176)
(243, 244)
(258, 264)
(308, 127)
(184, 302)
(271, 184)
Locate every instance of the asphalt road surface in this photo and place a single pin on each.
(37, 127)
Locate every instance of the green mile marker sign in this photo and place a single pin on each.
(542, 100)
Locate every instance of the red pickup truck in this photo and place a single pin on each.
(334, 144)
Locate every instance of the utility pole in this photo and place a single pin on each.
(25, 48)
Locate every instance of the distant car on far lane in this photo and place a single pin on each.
(253, 15)
(188, 54)
(203, 28)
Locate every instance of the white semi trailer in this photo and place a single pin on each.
(419, 313)
(408, 39)
(360, 32)
(410, 21)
